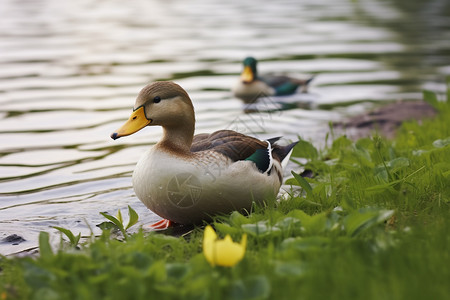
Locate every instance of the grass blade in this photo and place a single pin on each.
(303, 183)
(44, 245)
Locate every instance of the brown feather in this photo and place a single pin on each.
(232, 144)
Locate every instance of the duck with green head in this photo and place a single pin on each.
(252, 86)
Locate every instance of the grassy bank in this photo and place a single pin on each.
(372, 222)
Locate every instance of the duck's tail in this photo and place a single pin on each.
(264, 157)
(283, 153)
(302, 82)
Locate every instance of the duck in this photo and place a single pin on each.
(252, 86)
(186, 178)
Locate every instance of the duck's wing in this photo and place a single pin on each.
(232, 144)
(237, 146)
(275, 80)
(284, 85)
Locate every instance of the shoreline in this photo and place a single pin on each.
(385, 120)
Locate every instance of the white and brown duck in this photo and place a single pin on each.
(185, 178)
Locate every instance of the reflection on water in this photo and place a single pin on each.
(70, 71)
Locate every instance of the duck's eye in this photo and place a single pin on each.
(157, 99)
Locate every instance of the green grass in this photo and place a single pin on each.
(372, 223)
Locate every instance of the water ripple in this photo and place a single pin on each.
(70, 71)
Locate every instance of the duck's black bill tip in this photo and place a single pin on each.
(115, 136)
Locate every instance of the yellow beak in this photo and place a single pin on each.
(247, 75)
(136, 122)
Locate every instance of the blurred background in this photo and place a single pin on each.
(70, 72)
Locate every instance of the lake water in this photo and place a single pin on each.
(70, 72)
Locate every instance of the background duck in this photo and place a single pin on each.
(252, 86)
(186, 178)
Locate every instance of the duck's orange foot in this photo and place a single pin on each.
(160, 225)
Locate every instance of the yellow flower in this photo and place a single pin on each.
(222, 252)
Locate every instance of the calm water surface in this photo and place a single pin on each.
(70, 72)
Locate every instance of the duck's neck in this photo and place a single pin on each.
(177, 139)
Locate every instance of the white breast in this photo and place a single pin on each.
(251, 91)
(188, 191)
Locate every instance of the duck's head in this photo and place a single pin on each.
(249, 72)
(162, 103)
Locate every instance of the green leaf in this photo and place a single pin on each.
(259, 229)
(46, 293)
(305, 244)
(116, 222)
(72, 238)
(158, 271)
(441, 143)
(305, 149)
(341, 143)
(288, 223)
(364, 157)
(312, 224)
(133, 217)
(379, 188)
(317, 223)
(300, 215)
(176, 271)
(257, 287)
(198, 286)
(45, 249)
(107, 226)
(443, 167)
(303, 183)
(226, 229)
(398, 163)
(389, 186)
(292, 181)
(431, 98)
(238, 219)
(359, 222)
(290, 269)
(119, 216)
